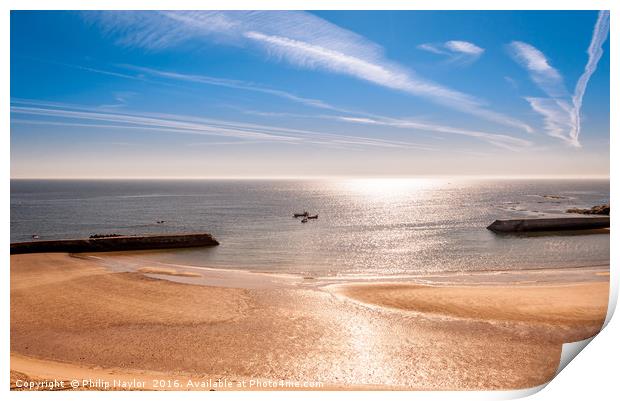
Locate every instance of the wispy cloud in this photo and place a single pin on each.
(499, 140)
(301, 39)
(561, 111)
(80, 116)
(540, 69)
(555, 110)
(437, 49)
(418, 127)
(68, 115)
(556, 115)
(595, 51)
(143, 72)
(250, 86)
(455, 50)
(461, 46)
(230, 83)
(89, 69)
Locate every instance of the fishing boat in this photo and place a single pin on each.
(304, 220)
(316, 216)
(304, 214)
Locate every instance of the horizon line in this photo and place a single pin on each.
(327, 177)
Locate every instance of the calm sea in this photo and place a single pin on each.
(365, 226)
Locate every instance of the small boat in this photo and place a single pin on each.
(35, 236)
(316, 216)
(304, 214)
(161, 221)
(305, 220)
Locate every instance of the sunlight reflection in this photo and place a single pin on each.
(381, 188)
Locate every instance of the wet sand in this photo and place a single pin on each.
(575, 305)
(168, 272)
(71, 316)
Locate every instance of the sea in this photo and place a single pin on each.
(365, 227)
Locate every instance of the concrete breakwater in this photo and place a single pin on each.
(120, 243)
(554, 224)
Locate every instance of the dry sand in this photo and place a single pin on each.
(73, 319)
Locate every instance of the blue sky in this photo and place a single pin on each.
(271, 94)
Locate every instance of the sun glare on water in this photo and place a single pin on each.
(389, 188)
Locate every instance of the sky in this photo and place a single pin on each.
(208, 94)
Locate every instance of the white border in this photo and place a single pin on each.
(309, 5)
(592, 375)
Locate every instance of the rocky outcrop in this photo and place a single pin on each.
(599, 210)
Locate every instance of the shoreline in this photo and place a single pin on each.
(522, 303)
(123, 261)
(344, 335)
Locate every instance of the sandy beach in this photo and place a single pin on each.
(308, 199)
(74, 318)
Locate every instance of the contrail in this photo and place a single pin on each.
(595, 51)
